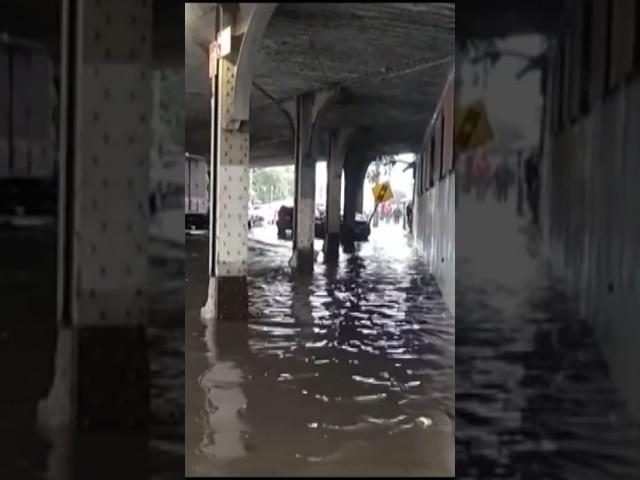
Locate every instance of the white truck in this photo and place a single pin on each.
(27, 103)
(196, 201)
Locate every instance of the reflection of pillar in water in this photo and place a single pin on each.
(59, 460)
(224, 401)
(222, 385)
(520, 193)
(301, 305)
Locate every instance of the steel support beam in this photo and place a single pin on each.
(105, 139)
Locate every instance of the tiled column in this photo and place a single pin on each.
(101, 378)
(228, 296)
(231, 207)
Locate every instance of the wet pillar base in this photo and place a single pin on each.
(112, 378)
(112, 456)
(303, 259)
(332, 248)
(228, 299)
(348, 245)
(305, 178)
(101, 381)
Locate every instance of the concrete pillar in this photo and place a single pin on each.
(334, 193)
(231, 214)
(231, 77)
(101, 371)
(338, 144)
(355, 172)
(305, 192)
(304, 112)
(228, 295)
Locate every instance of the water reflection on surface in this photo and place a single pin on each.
(349, 372)
(534, 397)
(27, 350)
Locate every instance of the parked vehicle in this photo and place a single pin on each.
(259, 215)
(196, 202)
(284, 221)
(28, 201)
(361, 229)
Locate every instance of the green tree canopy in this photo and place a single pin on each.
(272, 184)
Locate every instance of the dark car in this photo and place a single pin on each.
(200, 221)
(196, 221)
(27, 200)
(284, 221)
(361, 229)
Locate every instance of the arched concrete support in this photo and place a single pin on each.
(355, 171)
(251, 20)
(231, 91)
(338, 146)
(103, 222)
(308, 108)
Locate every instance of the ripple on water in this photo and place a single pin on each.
(326, 366)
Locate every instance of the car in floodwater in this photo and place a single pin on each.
(260, 215)
(28, 201)
(196, 201)
(284, 221)
(361, 228)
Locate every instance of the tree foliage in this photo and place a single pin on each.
(272, 184)
(381, 167)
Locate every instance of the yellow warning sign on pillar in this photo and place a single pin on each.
(472, 127)
(382, 192)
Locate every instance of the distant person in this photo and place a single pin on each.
(481, 174)
(467, 185)
(388, 212)
(153, 204)
(397, 215)
(409, 210)
(504, 177)
(532, 180)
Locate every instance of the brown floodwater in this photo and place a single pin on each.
(348, 372)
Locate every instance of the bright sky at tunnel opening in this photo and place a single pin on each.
(400, 178)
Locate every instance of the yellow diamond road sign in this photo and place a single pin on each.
(473, 129)
(382, 192)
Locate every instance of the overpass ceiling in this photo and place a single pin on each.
(391, 59)
(18, 18)
(491, 19)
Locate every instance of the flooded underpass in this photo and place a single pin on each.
(534, 396)
(348, 372)
(27, 351)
